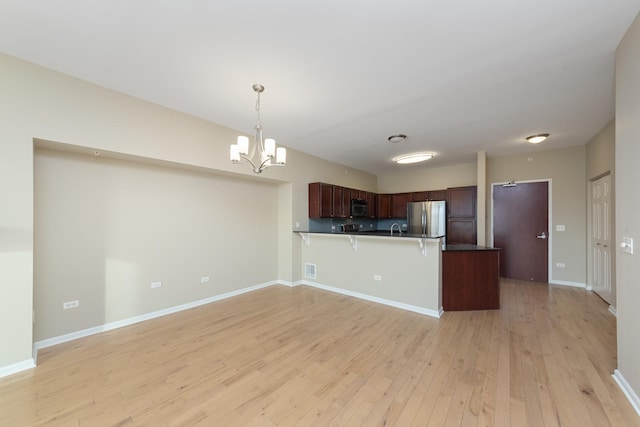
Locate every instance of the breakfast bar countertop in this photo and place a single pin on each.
(459, 247)
(376, 233)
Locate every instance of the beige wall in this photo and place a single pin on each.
(601, 152)
(601, 161)
(419, 178)
(105, 229)
(565, 168)
(38, 103)
(627, 133)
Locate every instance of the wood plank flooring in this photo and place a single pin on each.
(301, 356)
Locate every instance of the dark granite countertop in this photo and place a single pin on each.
(377, 233)
(465, 247)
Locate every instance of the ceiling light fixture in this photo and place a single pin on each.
(395, 139)
(413, 158)
(267, 147)
(536, 139)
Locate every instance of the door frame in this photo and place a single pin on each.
(549, 218)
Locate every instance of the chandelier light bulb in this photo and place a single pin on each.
(234, 153)
(243, 145)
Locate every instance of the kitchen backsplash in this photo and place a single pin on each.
(328, 225)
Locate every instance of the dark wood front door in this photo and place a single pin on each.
(520, 229)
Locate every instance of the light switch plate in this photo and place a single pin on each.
(627, 245)
(560, 228)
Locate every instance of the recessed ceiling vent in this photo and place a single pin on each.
(309, 271)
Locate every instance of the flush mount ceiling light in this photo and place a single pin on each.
(413, 158)
(536, 139)
(395, 139)
(267, 147)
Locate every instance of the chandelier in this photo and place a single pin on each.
(264, 150)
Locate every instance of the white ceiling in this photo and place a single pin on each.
(456, 76)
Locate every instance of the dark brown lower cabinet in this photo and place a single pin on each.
(461, 230)
(470, 279)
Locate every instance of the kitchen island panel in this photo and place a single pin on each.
(471, 278)
(409, 277)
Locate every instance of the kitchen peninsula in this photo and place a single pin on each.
(403, 272)
(345, 251)
(408, 271)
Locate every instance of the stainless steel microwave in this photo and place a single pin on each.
(358, 208)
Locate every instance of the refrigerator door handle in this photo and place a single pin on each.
(424, 221)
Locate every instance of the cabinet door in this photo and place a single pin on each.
(438, 195)
(371, 205)
(462, 202)
(461, 231)
(357, 194)
(383, 202)
(399, 205)
(346, 203)
(420, 196)
(337, 201)
(320, 200)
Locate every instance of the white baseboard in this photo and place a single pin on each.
(136, 319)
(17, 367)
(613, 310)
(627, 390)
(566, 283)
(403, 306)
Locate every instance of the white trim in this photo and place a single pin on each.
(627, 390)
(285, 283)
(403, 306)
(17, 367)
(567, 283)
(148, 316)
(613, 310)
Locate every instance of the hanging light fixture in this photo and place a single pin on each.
(268, 154)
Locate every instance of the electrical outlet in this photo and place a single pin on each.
(70, 304)
(560, 264)
(377, 277)
(155, 285)
(204, 279)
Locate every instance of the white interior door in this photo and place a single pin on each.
(601, 239)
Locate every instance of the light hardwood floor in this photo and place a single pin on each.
(303, 356)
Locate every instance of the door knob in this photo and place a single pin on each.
(543, 235)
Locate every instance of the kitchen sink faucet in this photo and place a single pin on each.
(399, 228)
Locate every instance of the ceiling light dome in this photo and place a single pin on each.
(413, 158)
(536, 139)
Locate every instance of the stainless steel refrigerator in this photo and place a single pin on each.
(427, 218)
